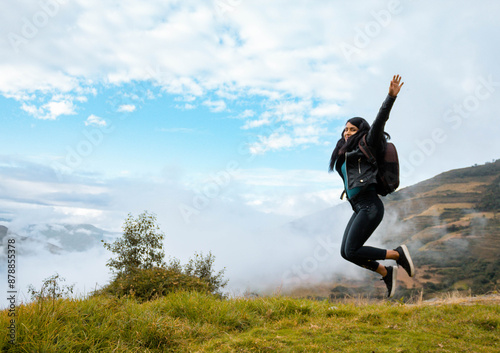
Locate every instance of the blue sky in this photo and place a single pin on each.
(116, 107)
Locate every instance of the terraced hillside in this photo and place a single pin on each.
(452, 226)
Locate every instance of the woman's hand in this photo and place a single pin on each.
(395, 85)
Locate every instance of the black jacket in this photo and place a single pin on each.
(359, 170)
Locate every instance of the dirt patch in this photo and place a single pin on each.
(437, 209)
(462, 299)
(471, 186)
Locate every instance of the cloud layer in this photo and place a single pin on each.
(308, 63)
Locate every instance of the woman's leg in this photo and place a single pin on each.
(390, 255)
(346, 235)
(368, 215)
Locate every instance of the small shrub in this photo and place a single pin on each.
(202, 268)
(148, 284)
(52, 289)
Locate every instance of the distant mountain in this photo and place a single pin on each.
(450, 224)
(57, 238)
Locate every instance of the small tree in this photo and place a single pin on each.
(140, 247)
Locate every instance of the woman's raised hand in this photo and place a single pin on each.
(395, 85)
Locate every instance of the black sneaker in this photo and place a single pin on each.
(390, 280)
(405, 260)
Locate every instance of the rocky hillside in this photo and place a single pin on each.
(452, 226)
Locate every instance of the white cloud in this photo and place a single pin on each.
(247, 113)
(81, 99)
(52, 110)
(249, 47)
(325, 110)
(95, 121)
(185, 106)
(284, 178)
(57, 108)
(309, 131)
(275, 141)
(264, 119)
(30, 109)
(128, 108)
(283, 138)
(293, 205)
(291, 193)
(215, 106)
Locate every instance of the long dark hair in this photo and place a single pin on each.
(343, 146)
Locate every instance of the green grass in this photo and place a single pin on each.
(196, 322)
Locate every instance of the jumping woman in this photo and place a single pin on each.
(359, 176)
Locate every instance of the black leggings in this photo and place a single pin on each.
(368, 213)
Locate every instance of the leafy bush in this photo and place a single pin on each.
(151, 283)
(202, 268)
(146, 284)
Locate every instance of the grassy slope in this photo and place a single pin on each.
(193, 322)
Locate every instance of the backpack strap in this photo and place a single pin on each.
(367, 150)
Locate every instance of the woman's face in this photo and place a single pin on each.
(349, 130)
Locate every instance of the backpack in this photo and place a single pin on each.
(388, 167)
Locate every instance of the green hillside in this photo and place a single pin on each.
(195, 322)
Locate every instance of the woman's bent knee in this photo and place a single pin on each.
(348, 255)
